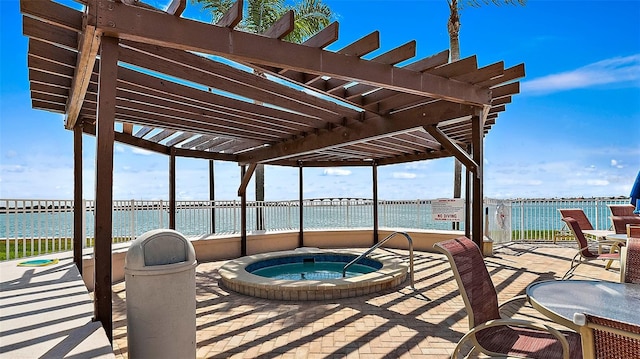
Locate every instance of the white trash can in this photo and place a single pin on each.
(160, 277)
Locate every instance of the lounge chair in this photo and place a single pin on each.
(584, 254)
(489, 333)
(621, 215)
(607, 338)
(578, 215)
(584, 224)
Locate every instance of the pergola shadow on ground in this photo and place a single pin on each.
(124, 71)
(398, 323)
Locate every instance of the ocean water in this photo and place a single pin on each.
(502, 215)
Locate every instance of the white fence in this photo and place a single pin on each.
(31, 227)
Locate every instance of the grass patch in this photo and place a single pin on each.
(41, 246)
(23, 248)
(546, 234)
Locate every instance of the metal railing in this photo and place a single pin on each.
(376, 246)
(33, 227)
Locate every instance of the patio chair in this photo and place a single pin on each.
(489, 333)
(577, 214)
(604, 338)
(621, 215)
(621, 209)
(584, 223)
(584, 254)
(630, 261)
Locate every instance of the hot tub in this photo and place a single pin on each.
(375, 273)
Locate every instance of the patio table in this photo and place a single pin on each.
(560, 300)
(597, 234)
(620, 237)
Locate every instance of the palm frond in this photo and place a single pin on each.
(217, 8)
(261, 14)
(311, 16)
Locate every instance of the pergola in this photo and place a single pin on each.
(124, 71)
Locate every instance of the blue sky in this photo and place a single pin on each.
(573, 131)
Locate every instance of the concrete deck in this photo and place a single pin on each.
(46, 312)
(392, 324)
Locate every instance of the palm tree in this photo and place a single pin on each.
(453, 26)
(310, 16)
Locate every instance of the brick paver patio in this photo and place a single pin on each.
(398, 323)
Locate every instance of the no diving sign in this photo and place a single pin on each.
(447, 209)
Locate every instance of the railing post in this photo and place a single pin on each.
(597, 211)
(347, 216)
(522, 220)
(235, 220)
(132, 220)
(84, 223)
(161, 214)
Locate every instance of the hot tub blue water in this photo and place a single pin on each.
(316, 267)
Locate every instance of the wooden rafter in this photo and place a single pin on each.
(282, 27)
(258, 119)
(176, 7)
(190, 35)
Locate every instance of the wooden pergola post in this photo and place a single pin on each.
(300, 199)
(78, 212)
(212, 196)
(467, 199)
(243, 215)
(374, 168)
(105, 135)
(477, 131)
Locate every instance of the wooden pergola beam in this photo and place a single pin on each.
(141, 25)
(87, 52)
(358, 132)
(451, 146)
(242, 190)
(414, 157)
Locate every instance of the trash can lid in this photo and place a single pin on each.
(159, 247)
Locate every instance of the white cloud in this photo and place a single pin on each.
(608, 71)
(616, 164)
(336, 172)
(597, 182)
(119, 149)
(13, 169)
(140, 151)
(404, 175)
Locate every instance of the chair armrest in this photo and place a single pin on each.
(517, 323)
